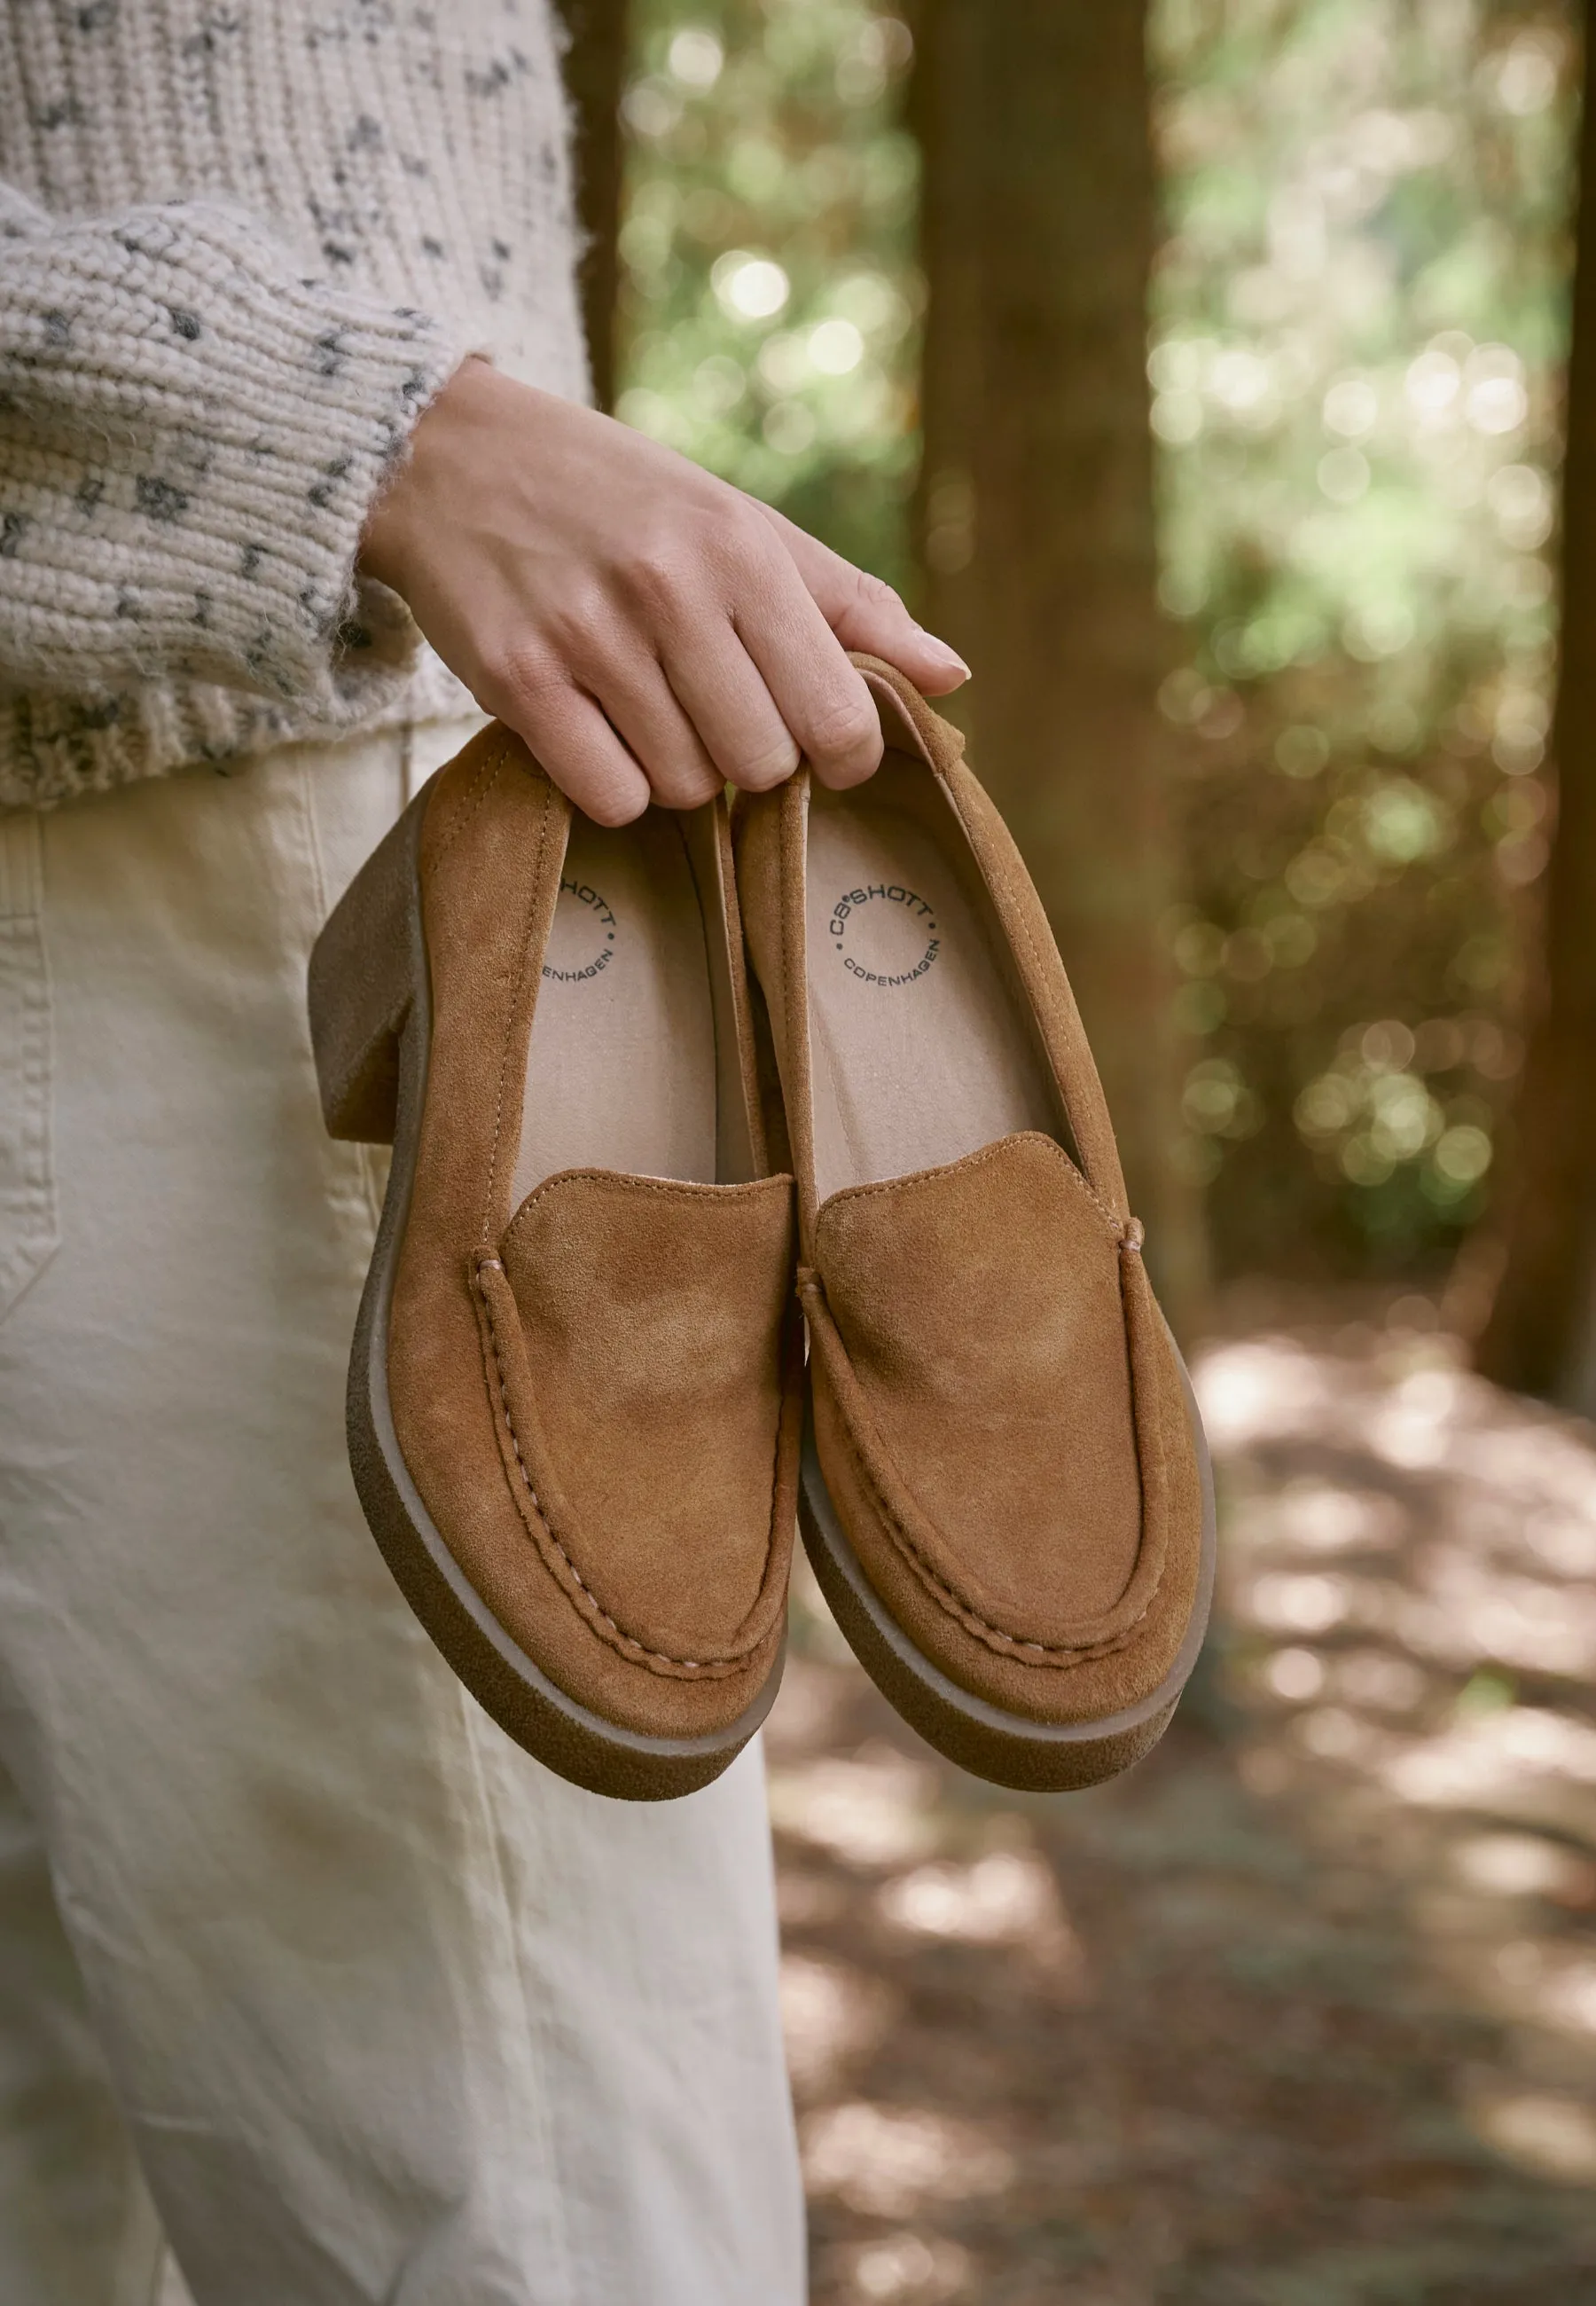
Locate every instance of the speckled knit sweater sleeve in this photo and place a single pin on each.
(191, 436)
(240, 248)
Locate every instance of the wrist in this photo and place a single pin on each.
(383, 552)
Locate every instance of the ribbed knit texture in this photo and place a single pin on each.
(240, 250)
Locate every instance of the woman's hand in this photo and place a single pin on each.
(652, 632)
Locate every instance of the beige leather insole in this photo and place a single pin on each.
(621, 1071)
(922, 1047)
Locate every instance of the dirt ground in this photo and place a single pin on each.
(1302, 2011)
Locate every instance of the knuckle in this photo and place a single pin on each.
(655, 574)
(740, 530)
(666, 576)
(839, 731)
(734, 547)
(575, 628)
(522, 678)
(875, 592)
(759, 771)
(680, 778)
(687, 792)
(607, 804)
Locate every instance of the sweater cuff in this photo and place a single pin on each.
(237, 420)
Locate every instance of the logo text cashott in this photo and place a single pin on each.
(911, 906)
(588, 896)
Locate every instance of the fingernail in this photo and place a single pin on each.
(945, 655)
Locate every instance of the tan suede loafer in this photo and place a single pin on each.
(575, 1394)
(1005, 1492)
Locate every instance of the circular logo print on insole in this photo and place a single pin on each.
(582, 941)
(885, 934)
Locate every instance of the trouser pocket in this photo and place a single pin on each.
(29, 1217)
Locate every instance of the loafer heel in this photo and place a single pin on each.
(362, 980)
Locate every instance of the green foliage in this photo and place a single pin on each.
(1357, 329)
(770, 300)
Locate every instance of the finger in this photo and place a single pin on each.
(821, 697)
(641, 707)
(570, 736)
(866, 614)
(723, 694)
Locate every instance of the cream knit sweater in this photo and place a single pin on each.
(242, 243)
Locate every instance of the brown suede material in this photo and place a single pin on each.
(745, 1002)
(652, 1311)
(770, 834)
(1066, 1684)
(998, 1407)
(464, 1340)
(982, 1395)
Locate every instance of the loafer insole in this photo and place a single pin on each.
(922, 1045)
(622, 1068)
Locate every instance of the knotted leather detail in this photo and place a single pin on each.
(635, 1336)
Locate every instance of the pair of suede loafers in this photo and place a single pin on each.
(650, 1093)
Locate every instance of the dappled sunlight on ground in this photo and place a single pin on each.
(1303, 2013)
(1410, 1589)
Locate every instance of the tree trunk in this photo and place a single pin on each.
(594, 74)
(1037, 513)
(1540, 1337)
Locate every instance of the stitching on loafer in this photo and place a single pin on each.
(617, 1635)
(1115, 1225)
(671, 1188)
(1023, 1653)
(947, 1597)
(472, 799)
(516, 999)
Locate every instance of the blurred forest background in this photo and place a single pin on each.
(1220, 377)
(1334, 238)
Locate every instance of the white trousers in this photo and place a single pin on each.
(304, 1969)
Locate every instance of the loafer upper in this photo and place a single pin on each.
(632, 1330)
(998, 1407)
(597, 1393)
